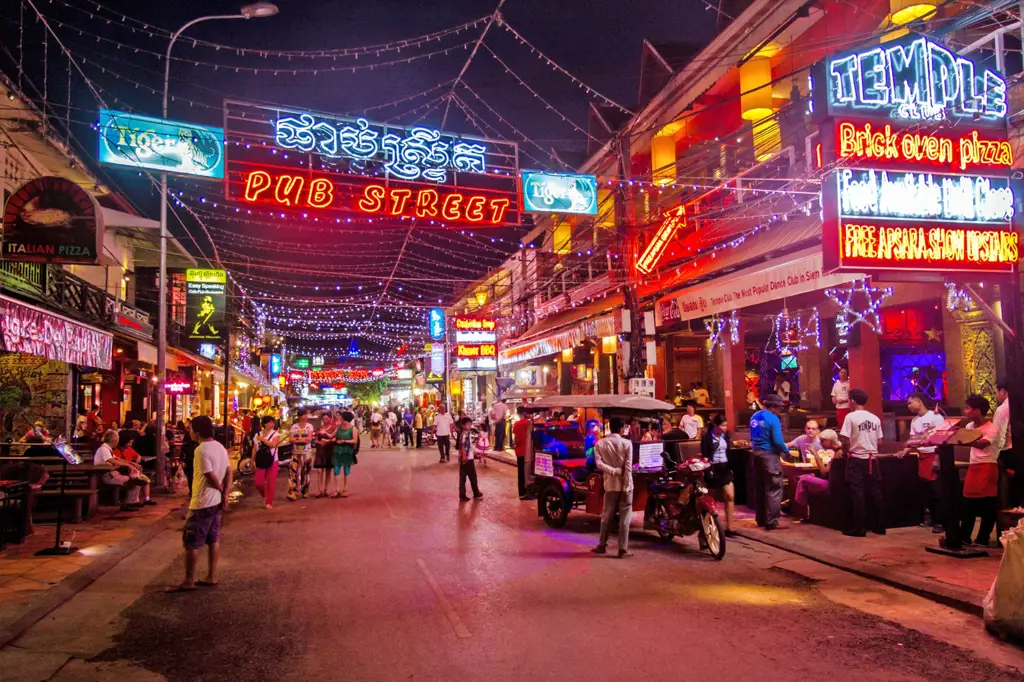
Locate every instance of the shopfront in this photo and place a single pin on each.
(40, 355)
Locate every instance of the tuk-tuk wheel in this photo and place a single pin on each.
(554, 506)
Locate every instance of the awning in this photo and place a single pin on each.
(797, 273)
(569, 337)
(114, 218)
(148, 353)
(33, 331)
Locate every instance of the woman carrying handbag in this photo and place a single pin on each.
(265, 459)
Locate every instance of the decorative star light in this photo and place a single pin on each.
(791, 333)
(849, 314)
(717, 324)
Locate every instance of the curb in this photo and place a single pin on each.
(502, 457)
(958, 598)
(78, 581)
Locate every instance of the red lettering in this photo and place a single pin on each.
(426, 203)
(373, 199)
(451, 207)
(256, 183)
(498, 208)
(321, 193)
(398, 199)
(288, 189)
(475, 209)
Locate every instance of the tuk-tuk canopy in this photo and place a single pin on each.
(626, 405)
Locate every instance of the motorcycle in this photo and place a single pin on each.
(679, 503)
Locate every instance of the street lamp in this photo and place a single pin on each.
(256, 10)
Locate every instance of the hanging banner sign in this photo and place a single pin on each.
(349, 169)
(912, 78)
(756, 285)
(476, 343)
(559, 193)
(52, 220)
(160, 144)
(205, 299)
(29, 330)
(436, 321)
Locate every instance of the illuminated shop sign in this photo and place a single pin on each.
(912, 78)
(29, 330)
(955, 151)
(916, 247)
(674, 221)
(205, 298)
(404, 153)
(559, 193)
(436, 321)
(275, 364)
(476, 343)
(208, 350)
(178, 387)
(349, 169)
(866, 192)
(300, 363)
(159, 144)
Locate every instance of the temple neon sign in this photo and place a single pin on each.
(416, 153)
(867, 142)
(914, 79)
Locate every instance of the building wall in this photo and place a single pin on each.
(32, 388)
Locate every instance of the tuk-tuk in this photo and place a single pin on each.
(561, 458)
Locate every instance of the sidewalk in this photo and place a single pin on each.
(507, 456)
(897, 558)
(32, 586)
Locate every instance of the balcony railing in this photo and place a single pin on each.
(57, 288)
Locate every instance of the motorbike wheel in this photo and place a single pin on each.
(656, 512)
(554, 507)
(245, 466)
(711, 530)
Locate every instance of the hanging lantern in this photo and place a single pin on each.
(903, 12)
(663, 159)
(767, 138)
(481, 298)
(561, 239)
(606, 207)
(755, 89)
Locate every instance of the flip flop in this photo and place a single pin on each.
(177, 589)
(206, 583)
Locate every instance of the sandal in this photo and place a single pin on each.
(344, 493)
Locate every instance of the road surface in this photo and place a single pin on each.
(402, 581)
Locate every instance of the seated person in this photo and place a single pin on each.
(38, 429)
(124, 474)
(807, 441)
(125, 449)
(822, 459)
(36, 476)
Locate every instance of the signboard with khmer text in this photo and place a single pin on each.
(205, 301)
(914, 139)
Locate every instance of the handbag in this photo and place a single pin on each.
(264, 456)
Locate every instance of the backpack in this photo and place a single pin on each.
(264, 455)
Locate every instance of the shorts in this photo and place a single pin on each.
(719, 475)
(347, 468)
(202, 527)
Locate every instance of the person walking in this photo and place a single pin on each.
(467, 465)
(860, 434)
(714, 447)
(768, 446)
(499, 415)
(346, 439)
(613, 455)
(265, 460)
(407, 419)
(417, 425)
(375, 429)
(301, 465)
(324, 462)
(206, 506)
(443, 430)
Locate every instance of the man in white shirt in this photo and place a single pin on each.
(613, 455)
(209, 501)
(1008, 459)
(133, 481)
(924, 421)
(443, 424)
(981, 485)
(301, 465)
(499, 411)
(841, 396)
(861, 433)
(692, 423)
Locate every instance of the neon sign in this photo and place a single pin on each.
(178, 388)
(559, 193)
(865, 192)
(476, 341)
(916, 247)
(292, 190)
(436, 321)
(912, 79)
(674, 221)
(475, 323)
(865, 142)
(416, 153)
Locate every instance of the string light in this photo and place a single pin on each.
(850, 313)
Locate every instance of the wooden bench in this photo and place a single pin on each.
(79, 501)
(82, 487)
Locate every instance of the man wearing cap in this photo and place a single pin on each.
(768, 446)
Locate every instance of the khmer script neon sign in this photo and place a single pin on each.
(416, 153)
(914, 79)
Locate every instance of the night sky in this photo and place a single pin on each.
(599, 41)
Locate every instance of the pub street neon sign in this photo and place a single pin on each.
(912, 79)
(417, 153)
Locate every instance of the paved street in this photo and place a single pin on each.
(402, 581)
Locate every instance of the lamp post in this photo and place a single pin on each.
(257, 10)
